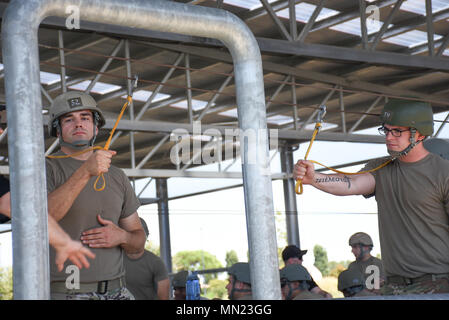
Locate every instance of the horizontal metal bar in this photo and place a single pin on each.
(167, 173)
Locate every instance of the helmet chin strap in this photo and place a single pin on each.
(413, 143)
(234, 290)
(77, 145)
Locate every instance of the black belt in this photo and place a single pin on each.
(407, 281)
(100, 287)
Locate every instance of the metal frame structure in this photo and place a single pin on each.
(19, 30)
(306, 63)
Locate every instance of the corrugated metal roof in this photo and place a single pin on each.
(411, 38)
(419, 6)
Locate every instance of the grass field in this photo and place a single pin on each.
(329, 284)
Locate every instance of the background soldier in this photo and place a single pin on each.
(351, 283)
(362, 244)
(239, 285)
(295, 283)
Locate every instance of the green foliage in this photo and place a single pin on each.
(6, 283)
(196, 260)
(231, 258)
(151, 247)
(335, 268)
(321, 261)
(217, 289)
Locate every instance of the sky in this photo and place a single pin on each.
(215, 222)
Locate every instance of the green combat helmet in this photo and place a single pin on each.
(350, 282)
(292, 273)
(180, 279)
(69, 102)
(438, 146)
(240, 271)
(295, 272)
(360, 238)
(407, 113)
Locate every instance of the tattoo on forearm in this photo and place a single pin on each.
(344, 179)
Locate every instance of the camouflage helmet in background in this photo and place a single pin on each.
(179, 280)
(438, 146)
(69, 102)
(295, 272)
(350, 278)
(409, 113)
(360, 238)
(241, 272)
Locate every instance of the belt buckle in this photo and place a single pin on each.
(102, 287)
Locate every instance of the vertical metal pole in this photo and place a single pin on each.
(295, 109)
(189, 85)
(430, 31)
(291, 211)
(292, 17)
(363, 30)
(62, 60)
(130, 108)
(342, 110)
(31, 275)
(164, 225)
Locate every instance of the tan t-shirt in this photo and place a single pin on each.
(143, 274)
(413, 209)
(115, 202)
(362, 265)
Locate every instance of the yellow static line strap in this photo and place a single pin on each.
(298, 187)
(106, 146)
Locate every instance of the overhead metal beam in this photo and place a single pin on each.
(317, 76)
(169, 127)
(167, 173)
(86, 42)
(351, 54)
(282, 46)
(352, 13)
(279, 24)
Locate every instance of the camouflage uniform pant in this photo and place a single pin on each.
(117, 294)
(436, 285)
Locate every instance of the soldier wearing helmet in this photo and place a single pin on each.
(66, 104)
(239, 282)
(105, 221)
(361, 246)
(293, 255)
(295, 283)
(179, 285)
(351, 283)
(412, 194)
